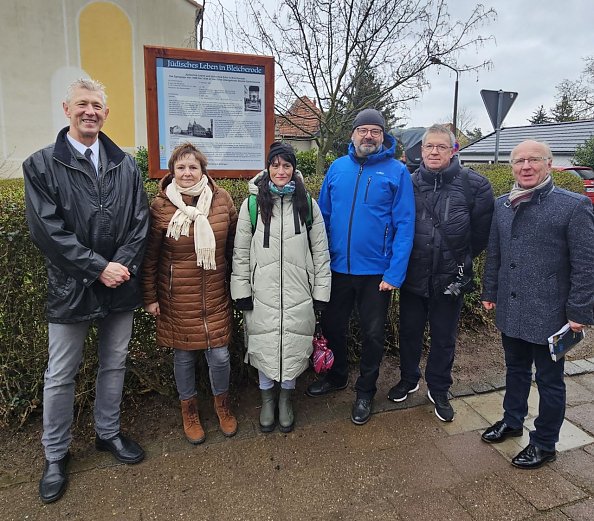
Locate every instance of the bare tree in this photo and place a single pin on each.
(580, 92)
(465, 124)
(317, 45)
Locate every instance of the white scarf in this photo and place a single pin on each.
(204, 239)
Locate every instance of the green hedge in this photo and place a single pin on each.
(23, 328)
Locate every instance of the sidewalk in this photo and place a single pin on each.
(404, 464)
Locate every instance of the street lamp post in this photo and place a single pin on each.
(436, 61)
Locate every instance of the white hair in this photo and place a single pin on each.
(440, 129)
(88, 84)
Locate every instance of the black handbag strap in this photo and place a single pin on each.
(437, 222)
(444, 236)
(318, 329)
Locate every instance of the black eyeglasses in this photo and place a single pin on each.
(375, 132)
(440, 148)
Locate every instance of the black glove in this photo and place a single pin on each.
(318, 305)
(244, 304)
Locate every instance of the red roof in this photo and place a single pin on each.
(302, 120)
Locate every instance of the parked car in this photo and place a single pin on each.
(585, 173)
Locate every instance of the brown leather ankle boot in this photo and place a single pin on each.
(192, 428)
(227, 421)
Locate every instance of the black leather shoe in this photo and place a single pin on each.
(499, 432)
(123, 449)
(532, 457)
(361, 411)
(52, 484)
(323, 386)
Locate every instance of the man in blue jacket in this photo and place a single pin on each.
(368, 207)
(538, 277)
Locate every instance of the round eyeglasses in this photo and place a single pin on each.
(375, 132)
(440, 148)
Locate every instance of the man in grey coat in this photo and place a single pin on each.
(538, 276)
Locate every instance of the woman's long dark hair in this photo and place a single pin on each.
(264, 197)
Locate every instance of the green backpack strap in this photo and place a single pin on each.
(253, 209)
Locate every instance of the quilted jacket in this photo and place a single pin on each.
(282, 281)
(442, 209)
(195, 304)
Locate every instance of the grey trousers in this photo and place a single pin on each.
(66, 343)
(184, 370)
(268, 383)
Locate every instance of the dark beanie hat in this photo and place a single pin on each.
(277, 148)
(369, 117)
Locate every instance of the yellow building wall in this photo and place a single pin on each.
(71, 39)
(106, 53)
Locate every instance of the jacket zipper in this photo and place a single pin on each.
(170, 279)
(96, 183)
(446, 212)
(367, 188)
(386, 241)
(280, 265)
(351, 219)
(98, 180)
(204, 310)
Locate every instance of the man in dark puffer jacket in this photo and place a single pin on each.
(454, 206)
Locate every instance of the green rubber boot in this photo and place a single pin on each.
(286, 419)
(268, 409)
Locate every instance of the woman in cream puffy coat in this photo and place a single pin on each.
(281, 274)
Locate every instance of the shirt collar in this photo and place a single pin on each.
(79, 147)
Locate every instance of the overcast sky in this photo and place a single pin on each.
(538, 43)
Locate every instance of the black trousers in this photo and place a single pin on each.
(372, 306)
(519, 357)
(443, 314)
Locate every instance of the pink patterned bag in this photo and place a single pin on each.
(322, 357)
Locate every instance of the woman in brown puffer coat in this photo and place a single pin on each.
(184, 280)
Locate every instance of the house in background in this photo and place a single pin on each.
(300, 125)
(563, 138)
(48, 44)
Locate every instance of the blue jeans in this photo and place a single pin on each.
(443, 315)
(66, 344)
(519, 356)
(184, 370)
(372, 307)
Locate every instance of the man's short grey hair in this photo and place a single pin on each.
(439, 129)
(548, 151)
(88, 84)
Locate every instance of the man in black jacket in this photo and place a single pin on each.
(88, 214)
(454, 206)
